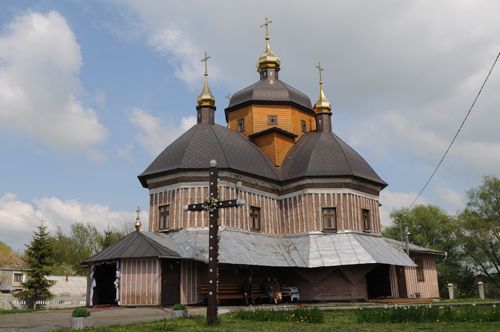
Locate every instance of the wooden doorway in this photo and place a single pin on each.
(170, 281)
(378, 282)
(400, 274)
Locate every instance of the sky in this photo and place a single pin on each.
(91, 91)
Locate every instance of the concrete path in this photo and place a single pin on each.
(42, 321)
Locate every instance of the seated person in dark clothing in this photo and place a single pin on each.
(246, 290)
(276, 291)
(267, 288)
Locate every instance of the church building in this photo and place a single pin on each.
(310, 219)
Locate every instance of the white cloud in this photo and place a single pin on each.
(39, 85)
(395, 200)
(156, 133)
(18, 219)
(452, 198)
(405, 72)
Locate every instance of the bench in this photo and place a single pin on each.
(232, 291)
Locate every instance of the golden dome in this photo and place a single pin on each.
(322, 103)
(206, 98)
(268, 60)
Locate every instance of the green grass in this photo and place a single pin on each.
(15, 311)
(334, 321)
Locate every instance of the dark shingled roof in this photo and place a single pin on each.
(203, 142)
(414, 248)
(321, 154)
(270, 90)
(134, 245)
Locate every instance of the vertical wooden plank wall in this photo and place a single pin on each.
(429, 287)
(140, 282)
(292, 214)
(190, 280)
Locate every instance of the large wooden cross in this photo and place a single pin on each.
(212, 205)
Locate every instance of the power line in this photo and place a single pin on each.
(456, 135)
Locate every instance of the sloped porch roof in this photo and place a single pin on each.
(250, 248)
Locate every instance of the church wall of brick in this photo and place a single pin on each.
(428, 288)
(140, 282)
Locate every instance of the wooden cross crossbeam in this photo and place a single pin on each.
(220, 205)
(212, 205)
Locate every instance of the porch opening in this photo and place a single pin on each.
(104, 291)
(378, 282)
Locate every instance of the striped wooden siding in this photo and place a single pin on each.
(293, 214)
(191, 277)
(140, 282)
(394, 282)
(429, 287)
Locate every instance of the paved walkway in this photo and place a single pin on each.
(42, 321)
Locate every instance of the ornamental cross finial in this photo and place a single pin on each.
(266, 25)
(205, 59)
(138, 219)
(320, 69)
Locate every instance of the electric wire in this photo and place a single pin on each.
(456, 135)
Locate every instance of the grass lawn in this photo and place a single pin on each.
(14, 311)
(334, 321)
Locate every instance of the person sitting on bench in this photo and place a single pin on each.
(267, 288)
(276, 291)
(246, 290)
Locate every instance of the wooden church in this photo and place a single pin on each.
(311, 215)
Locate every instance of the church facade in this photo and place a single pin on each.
(311, 215)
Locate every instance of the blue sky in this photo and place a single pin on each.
(91, 91)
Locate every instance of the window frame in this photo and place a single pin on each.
(255, 226)
(420, 269)
(303, 126)
(270, 121)
(164, 218)
(18, 275)
(240, 125)
(366, 227)
(326, 214)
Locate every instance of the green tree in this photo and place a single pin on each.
(431, 227)
(479, 232)
(9, 257)
(38, 257)
(83, 241)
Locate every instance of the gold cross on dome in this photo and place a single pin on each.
(266, 24)
(138, 211)
(320, 69)
(205, 59)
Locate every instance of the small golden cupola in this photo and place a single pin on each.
(206, 100)
(268, 61)
(322, 103)
(323, 108)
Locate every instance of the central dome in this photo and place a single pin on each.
(270, 90)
